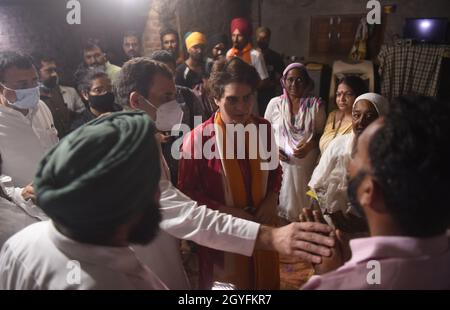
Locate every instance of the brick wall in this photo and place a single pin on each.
(207, 16)
(41, 26)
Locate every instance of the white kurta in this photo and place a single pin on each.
(183, 218)
(39, 257)
(297, 172)
(259, 63)
(72, 99)
(329, 179)
(24, 140)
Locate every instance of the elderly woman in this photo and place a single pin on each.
(298, 120)
(213, 173)
(339, 121)
(329, 181)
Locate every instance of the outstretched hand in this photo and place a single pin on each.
(340, 253)
(308, 241)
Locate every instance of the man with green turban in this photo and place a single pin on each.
(101, 195)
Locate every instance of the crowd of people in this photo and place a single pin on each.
(97, 175)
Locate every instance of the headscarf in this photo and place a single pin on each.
(302, 68)
(194, 38)
(301, 130)
(380, 103)
(243, 25)
(102, 174)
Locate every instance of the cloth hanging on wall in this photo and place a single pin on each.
(410, 69)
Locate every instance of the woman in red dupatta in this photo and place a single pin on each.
(241, 187)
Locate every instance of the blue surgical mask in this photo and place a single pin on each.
(25, 98)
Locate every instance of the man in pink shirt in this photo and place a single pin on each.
(398, 178)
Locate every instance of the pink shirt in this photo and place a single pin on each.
(405, 263)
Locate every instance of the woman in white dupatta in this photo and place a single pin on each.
(329, 180)
(298, 120)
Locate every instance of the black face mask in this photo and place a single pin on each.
(51, 82)
(352, 190)
(102, 103)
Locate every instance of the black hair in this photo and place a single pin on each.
(10, 59)
(165, 32)
(225, 72)
(89, 75)
(356, 83)
(164, 57)
(137, 74)
(132, 33)
(410, 160)
(91, 44)
(39, 58)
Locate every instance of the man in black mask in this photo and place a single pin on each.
(63, 101)
(96, 89)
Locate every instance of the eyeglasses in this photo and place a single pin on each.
(292, 80)
(346, 94)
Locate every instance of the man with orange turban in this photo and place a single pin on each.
(193, 70)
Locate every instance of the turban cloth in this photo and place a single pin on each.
(195, 38)
(102, 174)
(380, 103)
(217, 39)
(243, 25)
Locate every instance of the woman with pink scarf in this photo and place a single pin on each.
(298, 120)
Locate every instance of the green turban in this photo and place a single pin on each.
(102, 174)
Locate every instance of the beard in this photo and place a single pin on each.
(51, 82)
(352, 190)
(198, 57)
(98, 66)
(148, 227)
(263, 45)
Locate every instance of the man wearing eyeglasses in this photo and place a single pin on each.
(27, 129)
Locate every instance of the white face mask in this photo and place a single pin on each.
(25, 98)
(168, 115)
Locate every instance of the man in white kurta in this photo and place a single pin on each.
(24, 140)
(26, 124)
(41, 258)
(86, 244)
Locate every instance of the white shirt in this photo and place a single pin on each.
(24, 140)
(40, 257)
(183, 218)
(72, 99)
(339, 148)
(329, 179)
(259, 63)
(112, 71)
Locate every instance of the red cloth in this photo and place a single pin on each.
(201, 179)
(243, 25)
